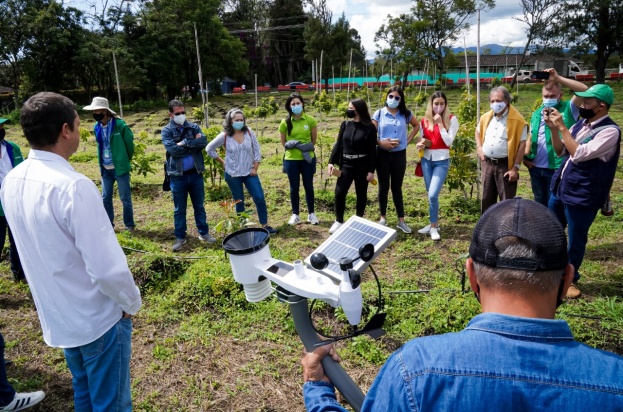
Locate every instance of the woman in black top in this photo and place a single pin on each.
(355, 153)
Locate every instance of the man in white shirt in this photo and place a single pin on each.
(501, 150)
(79, 277)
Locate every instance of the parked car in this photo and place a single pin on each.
(300, 85)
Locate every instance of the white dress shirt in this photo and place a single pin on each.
(76, 270)
(495, 142)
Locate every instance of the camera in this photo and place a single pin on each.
(538, 75)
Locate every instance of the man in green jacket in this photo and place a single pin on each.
(10, 156)
(115, 148)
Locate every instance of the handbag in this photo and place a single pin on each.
(418, 170)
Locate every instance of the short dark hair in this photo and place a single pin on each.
(43, 116)
(175, 103)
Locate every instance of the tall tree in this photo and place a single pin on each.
(285, 40)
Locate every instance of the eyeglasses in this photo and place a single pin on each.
(393, 96)
(178, 113)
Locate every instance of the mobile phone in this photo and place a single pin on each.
(539, 75)
(336, 172)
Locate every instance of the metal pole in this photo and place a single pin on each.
(482, 132)
(114, 59)
(203, 100)
(256, 90)
(466, 69)
(320, 75)
(349, 66)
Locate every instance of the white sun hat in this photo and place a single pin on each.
(99, 103)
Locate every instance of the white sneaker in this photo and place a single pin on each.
(383, 222)
(403, 226)
(336, 225)
(23, 401)
(424, 230)
(311, 218)
(434, 233)
(294, 219)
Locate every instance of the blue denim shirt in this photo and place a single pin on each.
(392, 127)
(497, 363)
(172, 135)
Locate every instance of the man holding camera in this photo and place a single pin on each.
(514, 356)
(581, 185)
(541, 158)
(500, 141)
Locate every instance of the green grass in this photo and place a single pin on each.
(198, 345)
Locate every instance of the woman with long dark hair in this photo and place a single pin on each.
(355, 153)
(242, 159)
(439, 129)
(392, 123)
(298, 136)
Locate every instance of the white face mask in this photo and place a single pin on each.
(392, 103)
(179, 119)
(498, 107)
(438, 109)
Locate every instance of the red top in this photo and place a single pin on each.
(434, 136)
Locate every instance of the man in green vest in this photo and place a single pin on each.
(541, 159)
(10, 156)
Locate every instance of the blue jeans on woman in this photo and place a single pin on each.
(294, 169)
(109, 176)
(181, 187)
(254, 186)
(578, 221)
(435, 173)
(7, 393)
(101, 371)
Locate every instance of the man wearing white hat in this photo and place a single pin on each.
(115, 148)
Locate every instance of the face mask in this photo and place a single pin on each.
(98, 116)
(392, 103)
(498, 107)
(350, 113)
(179, 119)
(438, 109)
(586, 113)
(238, 125)
(297, 109)
(550, 102)
(2, 134)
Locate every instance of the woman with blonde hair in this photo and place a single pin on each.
(439, 128)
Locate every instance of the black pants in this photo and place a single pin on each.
(356, 170)
(391, 168)
(16, 265)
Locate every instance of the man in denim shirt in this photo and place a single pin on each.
(185, 142)
(514, 356)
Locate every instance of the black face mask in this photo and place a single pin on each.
(586, 113)
(2, 134)
(350, 113)
(98, 116)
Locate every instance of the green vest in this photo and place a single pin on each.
(16, 159)
(553, 161)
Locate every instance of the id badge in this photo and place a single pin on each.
(107, 153)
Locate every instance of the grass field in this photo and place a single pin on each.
(199, 346)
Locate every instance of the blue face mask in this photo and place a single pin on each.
(238, 125)
(550, 102)
(392, 103)
(298, 109)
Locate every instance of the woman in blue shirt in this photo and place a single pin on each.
(392, 123)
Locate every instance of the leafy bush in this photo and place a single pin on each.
(420, 98)
(83, 157)
(463, 171)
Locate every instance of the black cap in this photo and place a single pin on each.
(527, 220)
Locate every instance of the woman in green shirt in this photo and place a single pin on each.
(298, 136)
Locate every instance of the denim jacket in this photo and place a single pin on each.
(172, 135)
(497, 363)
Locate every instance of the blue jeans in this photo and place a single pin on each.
(578, 221)
(16, 264)
(181, 187)
(294, 169)
(540, 180)
(7, 393)
(101, 371)
(125, 194)
(435, 173)
(254, 186)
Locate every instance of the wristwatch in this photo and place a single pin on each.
(517, 166)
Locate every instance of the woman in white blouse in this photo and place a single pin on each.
(439, 129)
(242, 159)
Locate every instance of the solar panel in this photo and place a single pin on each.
(347, 240)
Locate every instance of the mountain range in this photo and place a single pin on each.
(493, 49)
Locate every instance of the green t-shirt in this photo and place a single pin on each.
(301, 131)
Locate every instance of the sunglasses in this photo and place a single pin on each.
(395, 97)
(178, 113)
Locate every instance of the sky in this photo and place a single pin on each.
(496, 26)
